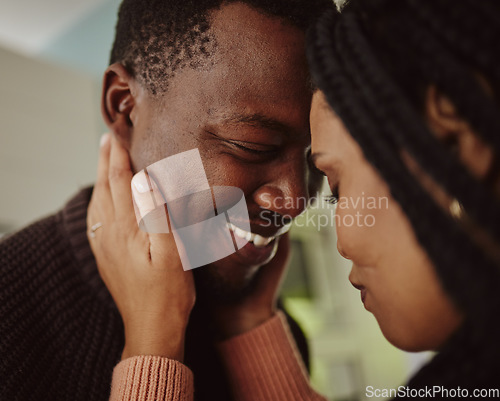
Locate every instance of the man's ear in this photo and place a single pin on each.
(457, 134)
(117, 102)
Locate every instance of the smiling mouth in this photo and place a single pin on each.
(257, 240)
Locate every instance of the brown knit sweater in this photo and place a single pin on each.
(60, 332)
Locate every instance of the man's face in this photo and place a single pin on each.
(248, 114)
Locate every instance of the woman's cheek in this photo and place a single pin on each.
(349, 234)
(359, 233)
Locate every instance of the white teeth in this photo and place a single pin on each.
(284, 229)
(260, 242)
(257, 239)
(239, 232)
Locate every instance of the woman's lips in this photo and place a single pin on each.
(361, 289)
(363, 295)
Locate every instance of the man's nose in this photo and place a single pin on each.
(287, 194)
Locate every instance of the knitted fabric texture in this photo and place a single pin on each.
(61, 334)
(151, 378)
(262, 364)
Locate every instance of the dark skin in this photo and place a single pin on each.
(247, 111)
(261, 77)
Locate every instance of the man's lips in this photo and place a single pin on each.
(259, 249)
(260, 236)
(251, 255)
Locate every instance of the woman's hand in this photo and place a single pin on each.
(260, 305)
(142, 271)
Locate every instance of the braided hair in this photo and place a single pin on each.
(374, 62)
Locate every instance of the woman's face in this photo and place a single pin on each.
(397, 281)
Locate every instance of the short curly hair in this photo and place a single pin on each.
(156, 38)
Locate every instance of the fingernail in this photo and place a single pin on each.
(104, 139)
(141, 183)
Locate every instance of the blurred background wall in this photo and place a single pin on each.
(52, 56)
(49, 131)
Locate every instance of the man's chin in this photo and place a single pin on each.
(227, 280)
(231, 279)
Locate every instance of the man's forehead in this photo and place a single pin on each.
(238, 24)
(258, 76)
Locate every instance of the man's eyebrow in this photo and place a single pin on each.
(259, 121)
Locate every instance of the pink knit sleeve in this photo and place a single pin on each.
(151, 378)
(265, 364)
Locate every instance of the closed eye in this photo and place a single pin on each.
(254, 147)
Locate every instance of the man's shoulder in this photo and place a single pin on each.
(56, 315)
(31, 245)
(47, 245)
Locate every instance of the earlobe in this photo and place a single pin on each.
(442, 115)
(456, 133)
(118, 102)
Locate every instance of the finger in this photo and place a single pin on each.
(102, 184)
(150, 208)
(101, 205)
(120, 176)
(164, 251)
